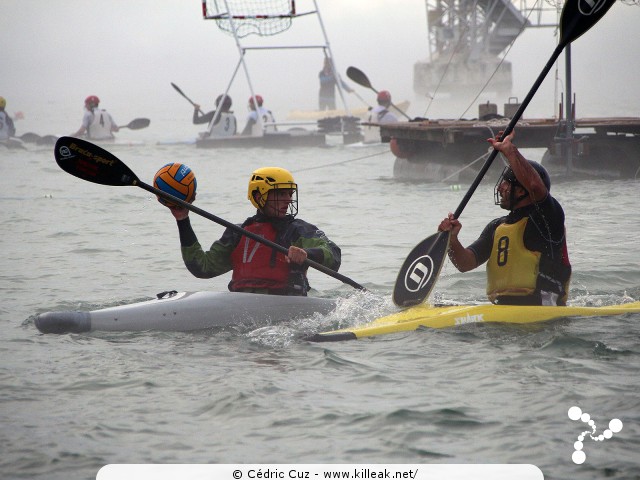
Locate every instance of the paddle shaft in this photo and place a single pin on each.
(183, 94)
(361, 99)
(246, 233)
(92, 163)
(509, 129)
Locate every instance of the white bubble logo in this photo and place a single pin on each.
(575, 413)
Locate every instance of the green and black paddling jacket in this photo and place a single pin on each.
(256, 267)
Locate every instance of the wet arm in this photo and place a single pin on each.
(201, 264)
(321, 250)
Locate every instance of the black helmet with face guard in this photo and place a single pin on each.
(510, 177)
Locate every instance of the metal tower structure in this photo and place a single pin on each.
(467, 39)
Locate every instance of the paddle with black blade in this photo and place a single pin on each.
(30, 137)
(177, 88)
(421, 268)
(360, 78)
(137, 123)
(92, 163)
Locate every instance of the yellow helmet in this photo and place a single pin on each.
(3, 102)
(265, 179)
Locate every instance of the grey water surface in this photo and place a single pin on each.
(479, 393)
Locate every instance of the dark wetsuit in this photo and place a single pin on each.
(544, 233)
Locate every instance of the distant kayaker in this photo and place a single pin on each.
(381, 113)
(7, 129)
(97, 123)
(328, 83)
(526, 250)
(256, 267)
(254, 127)
(225, 124)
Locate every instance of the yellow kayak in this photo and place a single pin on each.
(450, 316)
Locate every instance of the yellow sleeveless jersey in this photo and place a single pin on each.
(512, 269)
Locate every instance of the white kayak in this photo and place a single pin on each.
(186, 311)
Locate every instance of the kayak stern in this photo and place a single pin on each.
(63, 322)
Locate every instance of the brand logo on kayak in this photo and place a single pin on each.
(575, 413)
(469, 319)
(419, 273)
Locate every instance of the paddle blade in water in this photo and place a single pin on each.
(578, 16)
(138, 123)
(89, 162)
(420, 270)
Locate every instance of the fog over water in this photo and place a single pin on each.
(56, 53)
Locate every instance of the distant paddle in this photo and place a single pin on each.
(90, 162)
(360, 78)
(421, 268)
(177, 88)
(30, 137)
(137, 123)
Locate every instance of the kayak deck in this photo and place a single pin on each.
(450, 316)
(186, 311)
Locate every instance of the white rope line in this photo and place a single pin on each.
(386, 150)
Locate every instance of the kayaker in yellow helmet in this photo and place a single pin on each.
(526, 250)
(258, 268)
(7, 129)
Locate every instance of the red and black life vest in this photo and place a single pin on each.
(257, 266)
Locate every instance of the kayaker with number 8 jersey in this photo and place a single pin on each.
(526, 250)
(256, 267)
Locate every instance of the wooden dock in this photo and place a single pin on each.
(454, 150)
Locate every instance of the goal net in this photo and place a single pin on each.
(260, 17)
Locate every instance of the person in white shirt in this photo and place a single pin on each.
(97, 124)
(381, 113)
(254, 127)
(222, 122)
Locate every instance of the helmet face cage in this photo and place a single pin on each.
(267, 179)
(506, 176)
(509, 176)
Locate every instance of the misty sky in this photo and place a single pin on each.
(55, 53)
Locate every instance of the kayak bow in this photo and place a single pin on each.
(450, 316)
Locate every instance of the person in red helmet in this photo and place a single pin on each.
(259, 118)
(379, 114)
(382, 113)
(526, 250)
(97, 123)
